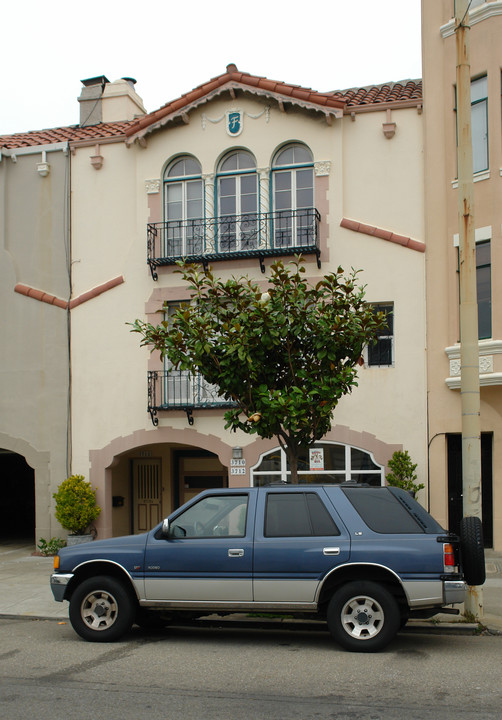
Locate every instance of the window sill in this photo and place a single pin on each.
(484, 380)
(477, 177)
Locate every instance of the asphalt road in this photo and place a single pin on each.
(48, 673)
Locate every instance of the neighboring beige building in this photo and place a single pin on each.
(36, 300)
(34, 340)
(236, 172)
(441, 235)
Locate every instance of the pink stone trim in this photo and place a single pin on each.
(41, 296)
(104, 459)
(53, 300)
(99, 290)
(383, 234)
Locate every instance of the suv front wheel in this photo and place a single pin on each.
(101, 609)
(363, 616)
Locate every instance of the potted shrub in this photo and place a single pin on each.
(403, 473)
(76, 508)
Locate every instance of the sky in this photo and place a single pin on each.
(170, 47)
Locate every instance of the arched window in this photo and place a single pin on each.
(293, 193)
(336, 463)
(237, 197)
(183, 208)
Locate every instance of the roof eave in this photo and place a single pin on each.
(334, 110)
(392, 105)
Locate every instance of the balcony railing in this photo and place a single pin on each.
(180, 390)
(285, 232)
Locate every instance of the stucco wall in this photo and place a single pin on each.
(34, 349)
(376, 180)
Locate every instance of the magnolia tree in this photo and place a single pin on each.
(285, 356)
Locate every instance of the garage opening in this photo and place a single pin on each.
(17, 487)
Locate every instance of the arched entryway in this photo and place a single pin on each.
(149, 482)
(17, 486)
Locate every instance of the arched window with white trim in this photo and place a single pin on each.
(293, 196)
(331, 464)
(237, 198)
(183, 207)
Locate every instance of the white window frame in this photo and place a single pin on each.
(345, 474)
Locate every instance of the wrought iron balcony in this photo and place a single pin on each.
(285, 232)
(180, 390)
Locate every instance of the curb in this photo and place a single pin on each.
(290, 624)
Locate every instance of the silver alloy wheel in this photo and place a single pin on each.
(99, 610)
(362, 617)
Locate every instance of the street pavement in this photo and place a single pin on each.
(25, 592)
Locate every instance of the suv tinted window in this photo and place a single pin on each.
(297, 515)
(381, 511)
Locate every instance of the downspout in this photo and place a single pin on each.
(68, 246)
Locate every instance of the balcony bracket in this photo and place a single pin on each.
(318, 256)
(153, 415)
(262, 264)
(153, 270)
(189, 413)
(205, 265)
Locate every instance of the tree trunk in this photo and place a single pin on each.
(292, 456)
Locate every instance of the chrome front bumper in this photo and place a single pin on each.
(58, 585)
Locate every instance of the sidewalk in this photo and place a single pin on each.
(25, 592)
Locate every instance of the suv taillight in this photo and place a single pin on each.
(449, 557)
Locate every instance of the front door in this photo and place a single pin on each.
(208, 556)
(147, 493)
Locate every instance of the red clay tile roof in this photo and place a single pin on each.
(233, 78)
(403, 90)
(64, 134)
(328, 103)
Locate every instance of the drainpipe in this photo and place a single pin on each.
(469, 353)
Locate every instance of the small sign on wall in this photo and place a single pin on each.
(316, 457)
(237, 466)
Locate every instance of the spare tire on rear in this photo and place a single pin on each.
(472, 550)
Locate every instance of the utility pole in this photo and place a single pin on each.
(469, 353)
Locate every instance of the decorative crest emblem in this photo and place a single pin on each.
(234, 122)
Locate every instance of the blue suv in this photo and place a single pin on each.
(363, 558)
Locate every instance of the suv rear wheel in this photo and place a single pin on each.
(363, 616)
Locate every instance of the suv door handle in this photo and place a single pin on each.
(237, 552)
(331, 551)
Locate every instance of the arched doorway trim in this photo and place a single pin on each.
(40, 462)
(103, 460)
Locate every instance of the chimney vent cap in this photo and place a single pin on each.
(100, 80)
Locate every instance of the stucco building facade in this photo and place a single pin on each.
(237, 172)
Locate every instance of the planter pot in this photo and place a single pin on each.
(78, 539)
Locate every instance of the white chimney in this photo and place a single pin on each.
(102, 101)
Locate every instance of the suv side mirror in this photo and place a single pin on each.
(165, 528)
